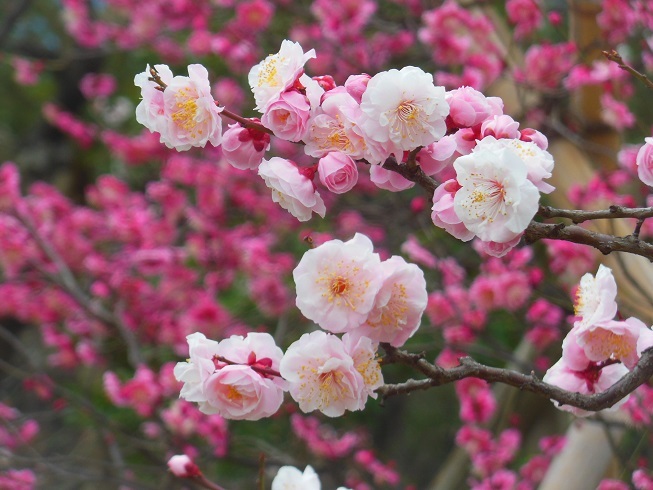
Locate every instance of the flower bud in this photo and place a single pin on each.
(243, 148)
(183, 467)
(645, 162)
(356, 85)
(338, 172)
(287, 117)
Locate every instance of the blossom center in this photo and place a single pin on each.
(269, 71)
(339, 286)
(608, 344)
(233, 394)
(185, 115)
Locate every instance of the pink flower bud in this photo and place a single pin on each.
(356, 86)
(469, 107)
(243, 148)
(338, 172)
(183, 467)
(288, 116)
(326, 82)
(645, 162)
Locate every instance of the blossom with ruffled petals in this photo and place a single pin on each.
(337, 283)
(399, 304)
(496, 200)
(291, 188)
(290, 478)
(191, 116)
(278, 72)
(404, 109)
(596, 297)
(338, 172)
(644, 162)
(234, 378)
(331, 375)
(244, 148)
(444, 214)
(287, 116)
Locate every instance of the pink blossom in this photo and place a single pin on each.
(417, 253)
(191, 116)
(292, 189)
(254, 15)
(616, 113)
(595, 299)
(277, 73)
(290, 478)
(469, 107)
(496, 200)
(338, 172)
(399, 304)
(95, 85)
(233, 378)
(243, 148)
(533, 136)
(287, 116)
(575, 372)
(612, 484)
(404, 109)
(183, 467)
(9, 186)
(644, 161)
(496, 249)
(617, 19)
(545, 65)
(331, 375)
(439, 156)
(337, 283)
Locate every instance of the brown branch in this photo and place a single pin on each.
(606, 244)
(414, 173)
(614, 56)
(580, 216)
(468, 368)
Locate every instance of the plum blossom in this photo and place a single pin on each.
(399, 304)
(404, 109)
(183, 467)
(595, 298)
(292, 189)
(338, 172)
(287, 116)
(290, 478)
(469, 107)
(243, 148)
(337, 283)
(331, 375)
(575, 372)
(184, 114)
(644, 162)
(389, 180)
(496, 200)
(234, 378)
(620, 340)
(277, 73)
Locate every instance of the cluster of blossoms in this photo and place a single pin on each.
(492, 172)
(344, 287)
(598, 350)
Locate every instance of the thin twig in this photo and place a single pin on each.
(616, 57)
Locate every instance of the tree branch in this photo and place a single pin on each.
(468, 368)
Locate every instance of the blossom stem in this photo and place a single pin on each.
(243, 121)
(612, 55)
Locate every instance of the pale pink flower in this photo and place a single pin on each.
(287, 116)
(539, 163)
(496, 200)
(437, 156)
(404, 109)
(292, 189)
(245, 388)
(444, 216)
(335, 127)
(526, 15)
(596, 298)
(290, 478)
(389, 180)
(621, 340)
(399, 304)
(644, 161)
(331, 375)
(150, 111)
(534, 136)
(469, 107)
(191, 116)
(338, 172)
(616, 113)
(244, 148)
(277, 73)
(576, 373)
(337, 283)
(496, 249)
(183, 467)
